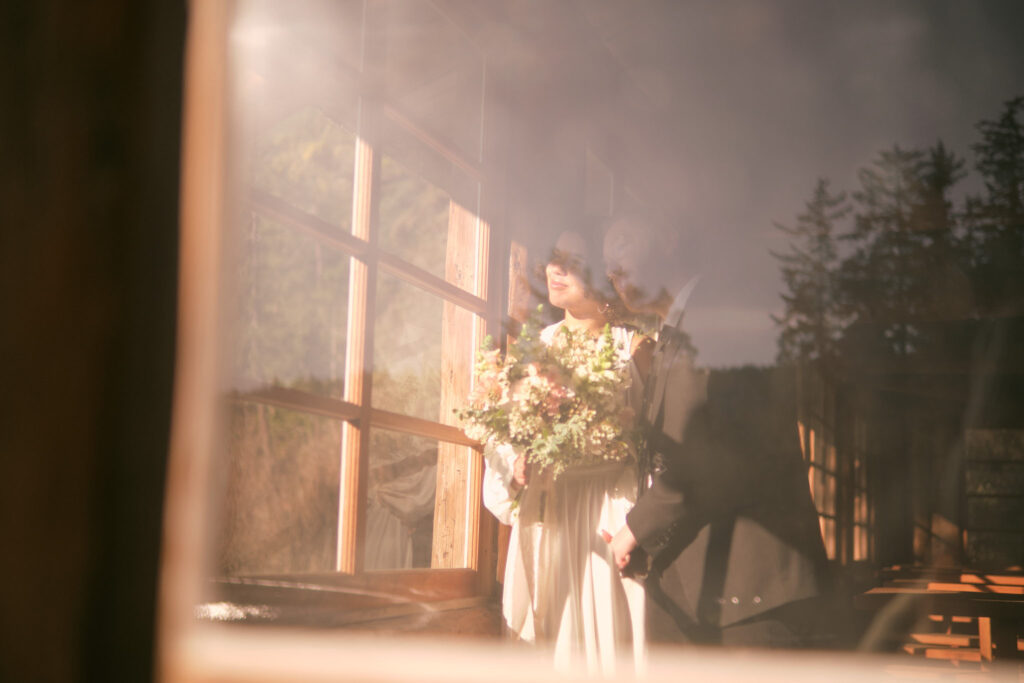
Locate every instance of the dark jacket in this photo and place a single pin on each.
(728, 520)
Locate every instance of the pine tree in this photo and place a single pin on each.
(810, 322)
(879, 282)
(996, 219)
(941, 289)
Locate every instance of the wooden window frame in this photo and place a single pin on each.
(820, 431)
(460, 467)
(463, 558)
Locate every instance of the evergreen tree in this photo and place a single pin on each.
(943, 291)
(996, 219)
(879, 282)
(810, 322)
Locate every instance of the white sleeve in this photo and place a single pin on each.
(499, 462)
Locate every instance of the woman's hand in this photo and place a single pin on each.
(519, 473)
(622, 545)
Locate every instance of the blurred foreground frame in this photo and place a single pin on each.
(493, 202)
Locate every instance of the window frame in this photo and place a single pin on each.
(836, 455)
(207, 209)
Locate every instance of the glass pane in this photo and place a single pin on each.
(280, 505)
(407, 349)
(291, 311)
(413, 217)
(400, 500)
(860, 507)
(307, 160)
(431, 70)
(860, 543)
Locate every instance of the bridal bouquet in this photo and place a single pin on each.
(563, 403)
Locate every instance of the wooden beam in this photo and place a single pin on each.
(443, 149)
(281, 211)
(194, 415)
(985, 638)
(355, 437)
(293, 399)
(369, 588)
(431, 283)
(459, 470)
(398, 422)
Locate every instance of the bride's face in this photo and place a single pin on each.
(566, 289)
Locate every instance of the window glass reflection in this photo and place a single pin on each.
(413, 217)
(280, 505)
(430, 70)
(291, 308)
(400, 500)
(307, 160)
(407, 349)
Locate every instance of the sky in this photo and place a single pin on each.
(771, 96)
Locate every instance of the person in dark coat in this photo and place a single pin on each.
(725, 525)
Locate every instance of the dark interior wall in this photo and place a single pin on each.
(89, 132)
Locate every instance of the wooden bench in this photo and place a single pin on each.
(956, 599)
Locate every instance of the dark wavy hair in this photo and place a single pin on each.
(589, 267)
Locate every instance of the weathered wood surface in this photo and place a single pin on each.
(358, 365)
(459, 468)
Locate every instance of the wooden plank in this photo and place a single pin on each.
(1002, 607)
(194, 421)
(424, 617)
(431, 283)
(355, 436)
(444, 150)
(459, 468)
(975, 588)
(958, 587)
(947, 639)
(386, 419)
(1004, 580)
(479, 523)
(985, 638)
(953, 654)
(396, 584)
(281, 211)
(293, 399)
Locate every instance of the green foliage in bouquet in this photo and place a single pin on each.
(564, 403)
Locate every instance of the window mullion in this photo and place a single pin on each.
(355, 441)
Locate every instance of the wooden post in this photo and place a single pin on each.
(459, 468)
(985, 638)
(358, 364)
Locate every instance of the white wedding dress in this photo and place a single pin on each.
(561, 586)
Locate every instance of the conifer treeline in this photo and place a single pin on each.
(880, 271)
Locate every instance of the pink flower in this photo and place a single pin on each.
(488, 390)
(556, 396)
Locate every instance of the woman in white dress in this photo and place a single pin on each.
(561, 586)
